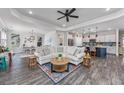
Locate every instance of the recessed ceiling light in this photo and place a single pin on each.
(109, 28)
(30, 12)
(64, 25)
(107, 9)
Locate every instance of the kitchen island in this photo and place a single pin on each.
(101, 52)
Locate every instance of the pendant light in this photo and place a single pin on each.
(96, 32)
(77, 34)
(32, 37)
(83, 33)
(89, 33)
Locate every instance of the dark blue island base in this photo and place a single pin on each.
(101, 52)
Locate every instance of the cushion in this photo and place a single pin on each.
(46, 50)
(42, 53)
(36, 54)
(72, 58)
(80, 55)
(45, 57)
(39, 54)
(60, 49)
(53, 49)
(77, 51)
(71, 50)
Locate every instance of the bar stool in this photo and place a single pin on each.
(93, 51)
(3, 64)
(33, 50)
(27, 51)
(32, 62)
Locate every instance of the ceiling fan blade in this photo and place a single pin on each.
(60, 17)
(67, 19)
(71, 11)
(61, 12)
(73, 16)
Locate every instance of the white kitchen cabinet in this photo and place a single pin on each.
(93, 36)
(100, 38)
(106, 38)
(86, 38)
(111, 49)
(110, 38)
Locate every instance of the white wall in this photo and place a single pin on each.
(51, 38)
(22, 25)
(78, 41)
(22, 38)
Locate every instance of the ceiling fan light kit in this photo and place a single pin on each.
(67, 14)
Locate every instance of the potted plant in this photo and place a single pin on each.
(7, 49)
(59, 56)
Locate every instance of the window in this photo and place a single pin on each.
(3, 38)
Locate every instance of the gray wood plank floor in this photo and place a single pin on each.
(108, 71)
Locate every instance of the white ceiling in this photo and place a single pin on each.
(50, 14)
(107, 25)
(44, 19)
(15, 22)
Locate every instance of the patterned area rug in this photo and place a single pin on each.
(55, 76)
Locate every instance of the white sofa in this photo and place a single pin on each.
(74, 54)
(43, 57)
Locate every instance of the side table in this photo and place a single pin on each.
(86, 62)
(32, 62)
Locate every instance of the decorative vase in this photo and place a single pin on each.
(59, 58)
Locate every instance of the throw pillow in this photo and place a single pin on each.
(77, 51)
(46, 50)
(41, 52)
(71, 50)
(60, 49)
(80, 55)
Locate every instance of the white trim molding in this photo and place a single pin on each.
(95, 21)
(109, 17)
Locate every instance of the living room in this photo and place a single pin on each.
(75, 46)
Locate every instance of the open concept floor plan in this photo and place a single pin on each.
(61, 46)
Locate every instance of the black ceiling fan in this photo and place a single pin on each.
(67, 14)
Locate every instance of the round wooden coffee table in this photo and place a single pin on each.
(58, 65)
